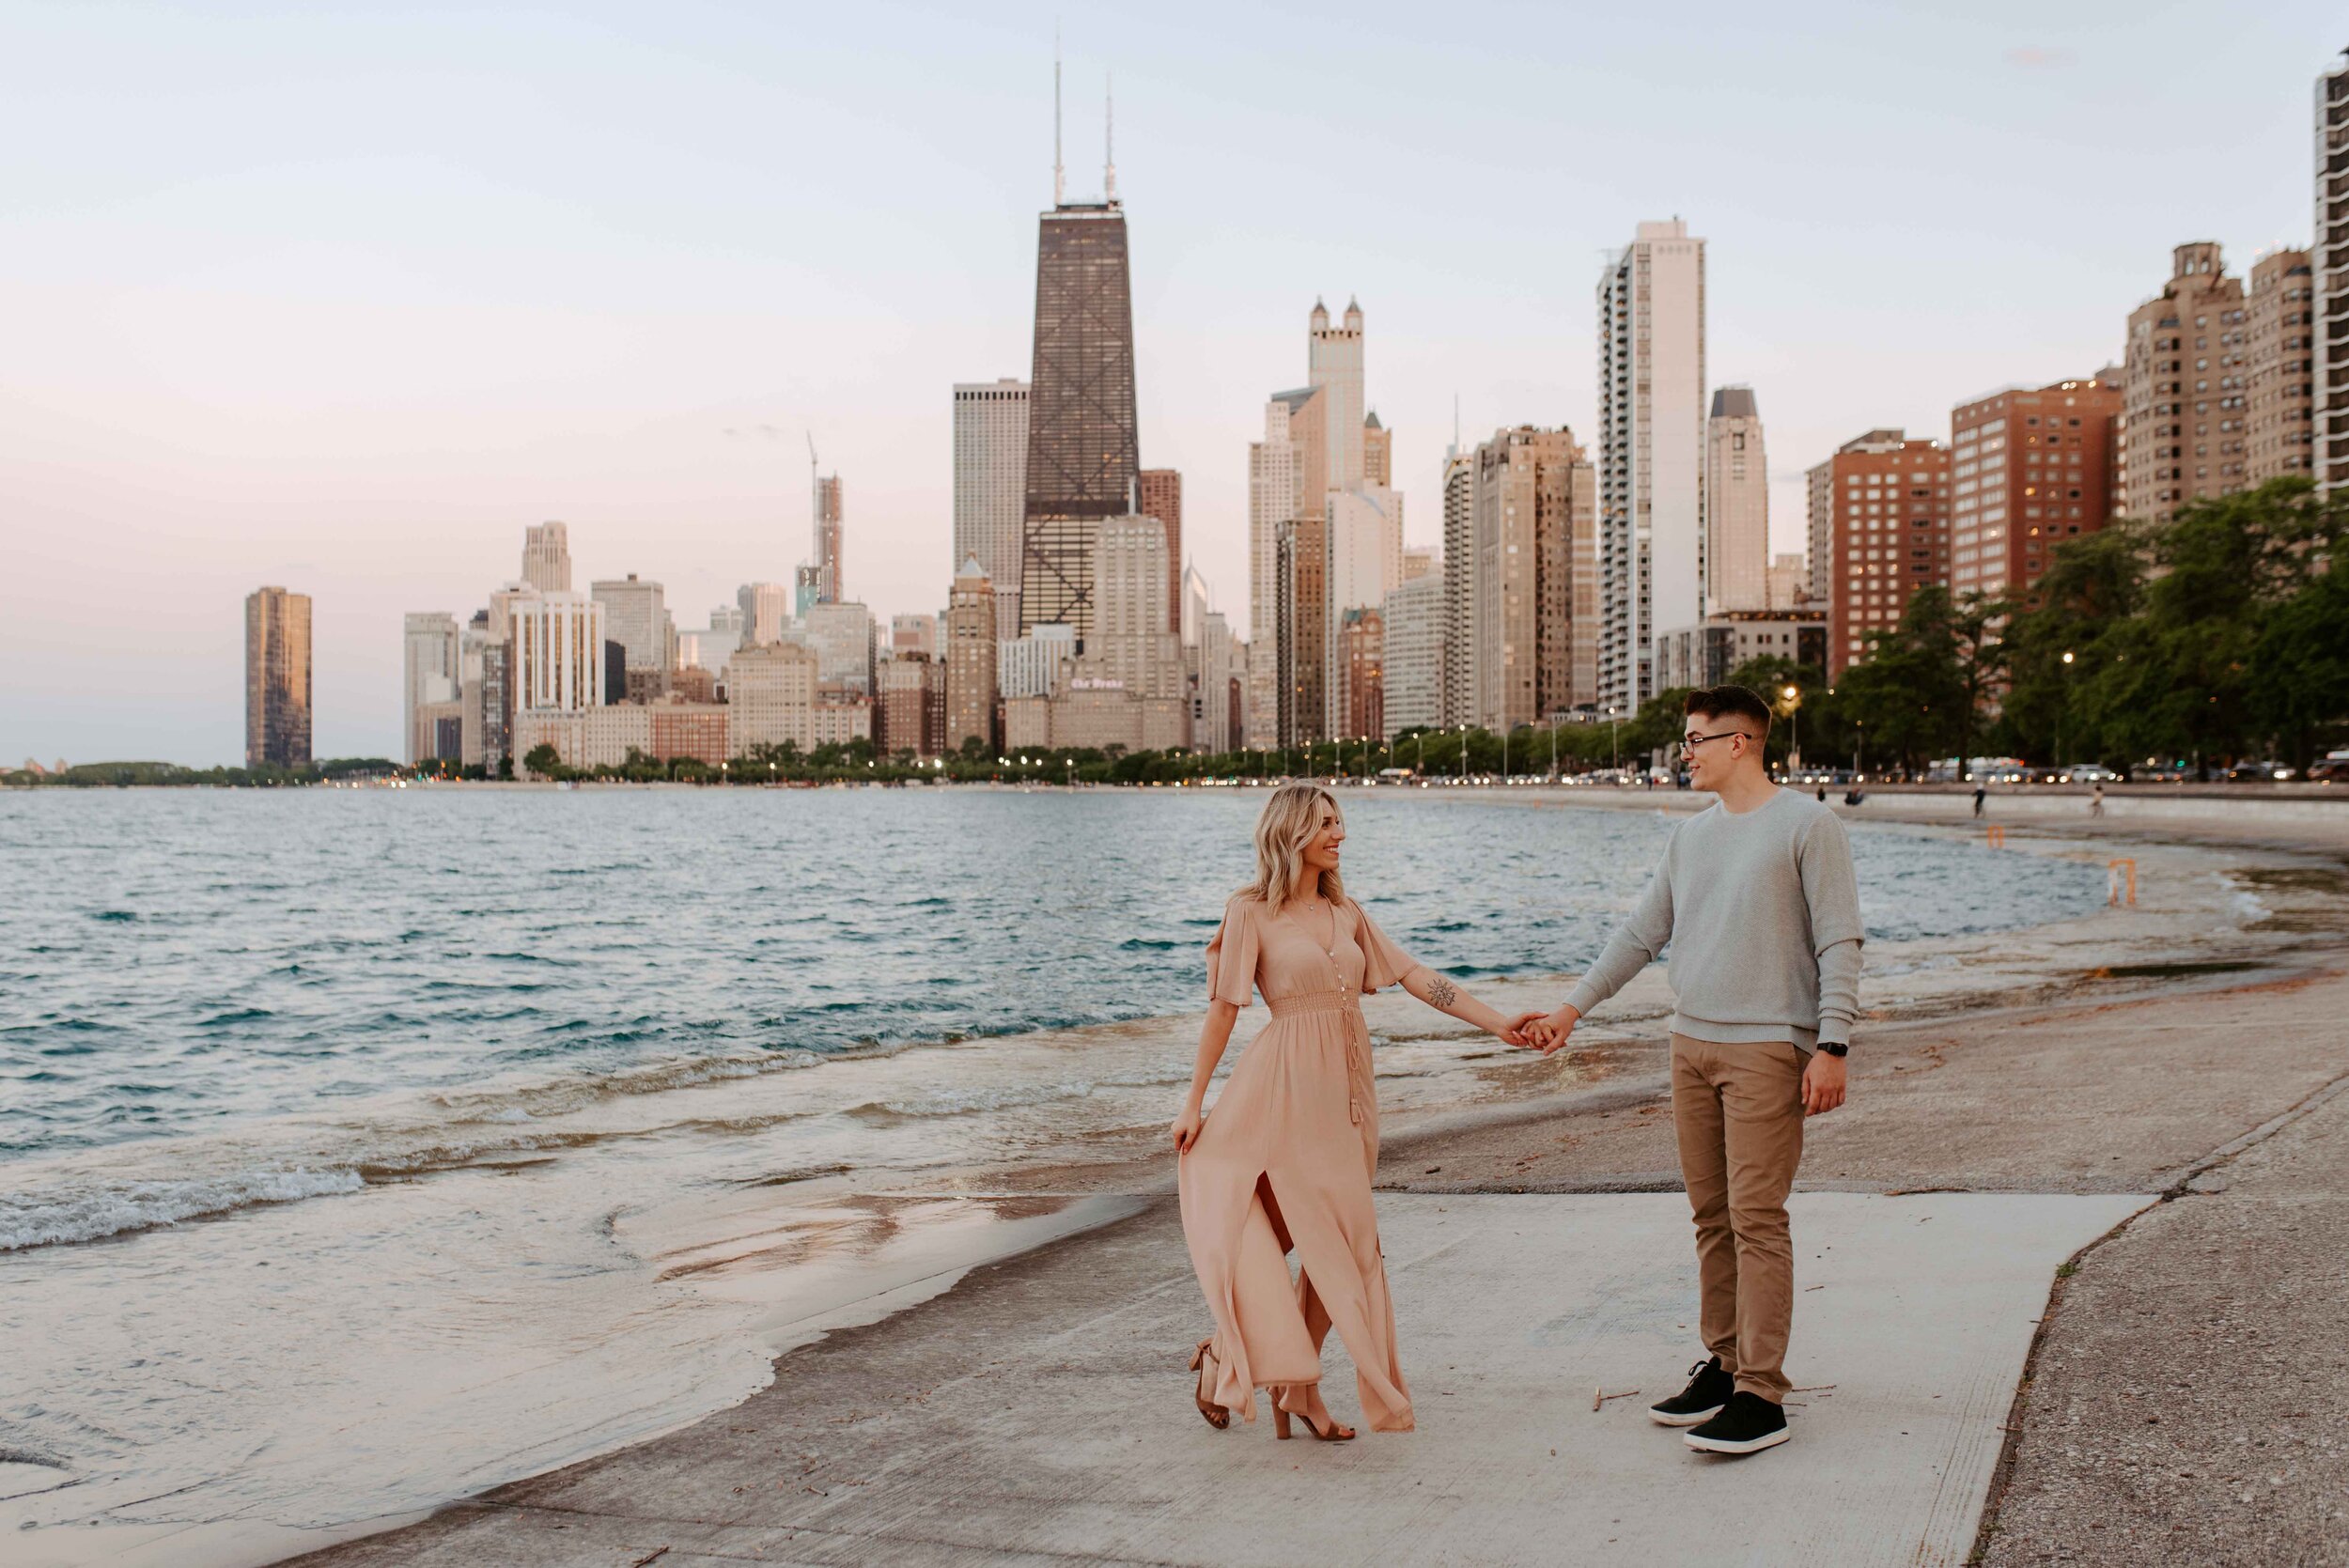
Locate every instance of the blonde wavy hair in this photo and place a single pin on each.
(1290, 820)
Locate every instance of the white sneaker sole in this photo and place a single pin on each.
(1723, 1445)
(1694, 1418)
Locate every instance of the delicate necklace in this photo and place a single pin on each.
(1331, 946)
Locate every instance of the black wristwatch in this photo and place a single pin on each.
(1835, 1048)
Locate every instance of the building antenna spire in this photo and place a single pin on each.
(1109, 139)
(1059, 179)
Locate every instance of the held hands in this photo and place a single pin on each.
(1823, 1083)
(1545, 1031)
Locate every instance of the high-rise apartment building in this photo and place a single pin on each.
(1881, 520)
(1461, 697)
(1083, 454)
(431, 674)
(1034, 665)
(1160, 492)
(1413, 655)
(558, 653)
(830, 514)
(763, 613)
(1736, 504)
(1302, 634)
(2033, 468)
(636, 616)
(1652, 425)
(992, 486)
(909, 710)
(2280, 367)
(1536, 522)
(547, 557)
(770, 697)
(843, 637)
(276, 678)
(2328, 261)
(971, 648)
(1134, 644)
(1361, 658)
(1277, 489)
(2185, 397)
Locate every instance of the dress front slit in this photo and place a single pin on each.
(1283, 1164)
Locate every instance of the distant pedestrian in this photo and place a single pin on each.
(1823, 795)
(1980, 792)
(2096, 801)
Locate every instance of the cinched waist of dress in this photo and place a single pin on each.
(1314, 1001)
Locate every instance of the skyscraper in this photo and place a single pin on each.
(763, 613)
(2280, 367)
(1736, 504)
(636, 616)
(831, 578)
(276, 678)
(547, 557)
(1161, 493)
(970, 644)
(429, 676)
(2184, 397)
(1194, 606)
(2329, 260)
(1458, 688)
(1277, 489)
(1083, 454)
(1652, 418)
(1211, 660)
(1414, 655)
(559, 662)
(1535, 522)
(1378, 451)
(990, 486)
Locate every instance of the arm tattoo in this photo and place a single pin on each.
(1442, 993)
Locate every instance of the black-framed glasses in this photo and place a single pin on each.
(1690, 742)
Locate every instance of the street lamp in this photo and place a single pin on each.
(1793, 695)
(1614, 755)
(2063, 708)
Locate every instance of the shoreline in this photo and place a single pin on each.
(1592, 1135)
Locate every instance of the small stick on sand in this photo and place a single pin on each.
(1598, 1398)
(1815, 1387)
(653, 1555)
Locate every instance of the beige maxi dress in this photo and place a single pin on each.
(1283, 1163)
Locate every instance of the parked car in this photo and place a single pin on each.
(2091, 773)
(2332, 768)
(2252, 771)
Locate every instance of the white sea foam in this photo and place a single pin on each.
(91, 1214)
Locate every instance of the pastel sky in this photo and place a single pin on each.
(343, 296)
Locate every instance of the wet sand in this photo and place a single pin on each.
(2107, 1061)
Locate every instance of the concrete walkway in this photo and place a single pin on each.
(1039, 1413)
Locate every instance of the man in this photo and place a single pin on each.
(1756, 899)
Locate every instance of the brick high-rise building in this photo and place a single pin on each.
(2280, 373)
(831, 518)
(2184, 396)
(971, 650)
(2033, 468)
(1302, 661)
(1880, 520)
(276, 678)
(1162, 497)
(909, 710)
(1362, 650)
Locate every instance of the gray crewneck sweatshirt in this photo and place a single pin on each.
(1763, 917)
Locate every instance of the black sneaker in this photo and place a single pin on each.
(1702, 1400)
(1747, 1425)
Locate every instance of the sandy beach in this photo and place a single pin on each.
(2065, 1255)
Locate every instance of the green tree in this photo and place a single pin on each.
(545, 761)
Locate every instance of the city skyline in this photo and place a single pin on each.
(350, 474)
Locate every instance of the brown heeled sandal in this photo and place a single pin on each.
(1203, 1362)
(1337, 1433)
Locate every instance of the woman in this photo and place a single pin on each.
(1285, 1163)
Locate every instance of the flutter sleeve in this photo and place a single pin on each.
(1232, 955)
(1383, 963)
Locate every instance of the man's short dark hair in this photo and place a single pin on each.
(1721, 701)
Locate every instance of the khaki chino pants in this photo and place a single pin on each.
(1737, 1115)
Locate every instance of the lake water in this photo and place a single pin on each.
(526, 1121)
